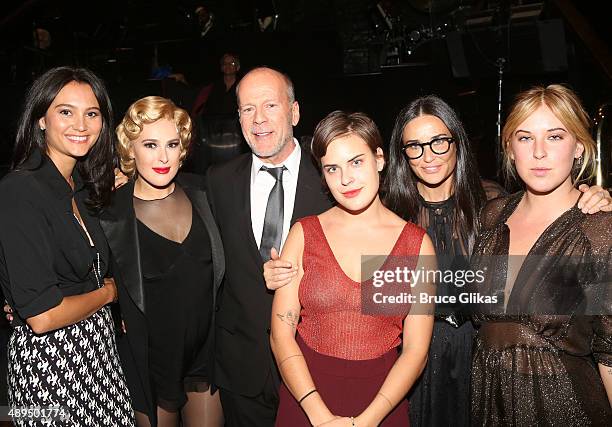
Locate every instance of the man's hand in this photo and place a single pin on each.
(594, 199)
(277, 272)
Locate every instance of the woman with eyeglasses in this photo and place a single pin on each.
(433, 180)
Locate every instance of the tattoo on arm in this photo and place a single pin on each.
(291, 317)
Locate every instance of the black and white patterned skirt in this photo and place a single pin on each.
(76, 369)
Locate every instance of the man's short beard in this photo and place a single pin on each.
(277, 149)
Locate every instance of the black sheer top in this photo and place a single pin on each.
(177, 271)
(452, 249)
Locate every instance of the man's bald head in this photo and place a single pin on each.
(267, 70)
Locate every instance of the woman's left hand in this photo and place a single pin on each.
(120, 178)
(594, 199)
(109, 285)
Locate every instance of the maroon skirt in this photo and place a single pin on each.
(346, 386)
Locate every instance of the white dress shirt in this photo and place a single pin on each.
(261, 185)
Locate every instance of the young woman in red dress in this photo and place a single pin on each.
(343, 367)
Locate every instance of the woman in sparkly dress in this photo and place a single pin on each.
(543, 354)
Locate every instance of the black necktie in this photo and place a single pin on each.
(273, 221)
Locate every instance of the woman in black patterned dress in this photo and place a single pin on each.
(54, 258)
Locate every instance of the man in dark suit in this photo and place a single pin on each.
(255, 198)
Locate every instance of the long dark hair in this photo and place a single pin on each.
(96, 168)
(400, 184)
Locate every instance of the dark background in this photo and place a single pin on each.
(336, 51)
(341, 54)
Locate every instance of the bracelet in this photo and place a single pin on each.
(387, 399)
(306, 395)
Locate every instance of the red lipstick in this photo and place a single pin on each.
(352, 193)
(162, 171)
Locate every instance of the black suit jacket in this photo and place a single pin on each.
(119, 224)
(242, 350)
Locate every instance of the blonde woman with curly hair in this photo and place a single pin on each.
(168, 258)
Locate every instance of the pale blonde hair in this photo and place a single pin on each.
(146, 111)
(566, 106)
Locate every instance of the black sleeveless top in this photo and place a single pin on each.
(178, 280)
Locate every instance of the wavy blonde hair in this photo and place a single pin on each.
(566, 106)
(146, 111)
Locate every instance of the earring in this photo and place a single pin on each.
(579, 161)
(43, 129)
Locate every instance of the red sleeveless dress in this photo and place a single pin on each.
(348, 353)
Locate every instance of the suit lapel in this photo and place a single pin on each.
(119, 224)
(308, 191)
(242, 203)
(308, 196)
(199, 201)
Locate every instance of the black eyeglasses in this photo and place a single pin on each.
(439, 145)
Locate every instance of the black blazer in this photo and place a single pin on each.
(242, 348)
(119, 224)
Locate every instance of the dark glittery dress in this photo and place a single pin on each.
(441, 396)
(535, 362)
